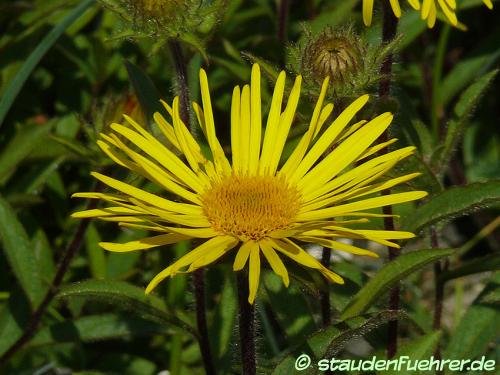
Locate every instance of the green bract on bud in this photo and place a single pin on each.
(188, 20)
(351, 64)
(338, 55)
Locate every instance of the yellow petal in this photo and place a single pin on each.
(143, 243)
(328, 138)
(367, 12)
(338, 246)
(367, 204)
(256, 120)
(186, 260)
(274, 261)
(273, 120)
(253, 274)
(242, 256)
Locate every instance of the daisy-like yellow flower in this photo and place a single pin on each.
(396, 8)
(448, 7)
(253, 206)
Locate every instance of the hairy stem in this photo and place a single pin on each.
(201, 320)
(325, 295)
(246, 325)
(180, 67)
(283, 15)
(63, 266)
(198, 275)
(388, 33)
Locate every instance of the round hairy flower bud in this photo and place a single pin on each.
(337, 54)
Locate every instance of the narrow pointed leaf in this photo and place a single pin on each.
(452, 203)
(393, 272)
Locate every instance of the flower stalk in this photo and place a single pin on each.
(198, 275)
(246, 326)
(388, 33)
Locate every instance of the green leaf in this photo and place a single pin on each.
(419, 349)
(462, 112)
(482, 264)
(19, 253)
(25, 140)
(96, 328)
(471, 67)
(144, 88)
(126, 297)
(479, 326)
(390, 274)
(452, 203)
(327, 342)
(34, 58)
(97, 258)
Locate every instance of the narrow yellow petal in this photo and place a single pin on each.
(109, 211)
(296, 253)
(347, 152)
(235, 130)
(360, 172)
(396, 8)
(255, 121)
(328, 137)
(275, 261)
(272, 122)
(253, 274)
(285, 123)
(448, 12)
(242, 256)
(245, 123)
(143, 243)
(415, 4)
(488, 3)
(367, 12)
(142, 195)
(340, 246)
(190, 257)
(366, 204)
(318, 118)
(220, 159)
(210, 256)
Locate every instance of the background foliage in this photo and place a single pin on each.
(69, 68)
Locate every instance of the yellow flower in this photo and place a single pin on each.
(448, 7)
(396, 8)
(253, 206)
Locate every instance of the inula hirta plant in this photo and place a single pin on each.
(428, 8)
(260, 203)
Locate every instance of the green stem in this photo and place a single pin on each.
(388, 33)
(437, 71)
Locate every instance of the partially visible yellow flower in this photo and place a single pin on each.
(448, 7)
(253, 206)
(396, 8)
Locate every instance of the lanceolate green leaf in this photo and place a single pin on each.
(418, 349)
(34, 58)
(482, 264)
(393, 272)
(462, 112)
(326, 343)
(96, 328)
(19, 253)
(144, 88)
(25, 140)
(126, 297)
(478, 328)
(454, 202)
(472, 66)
